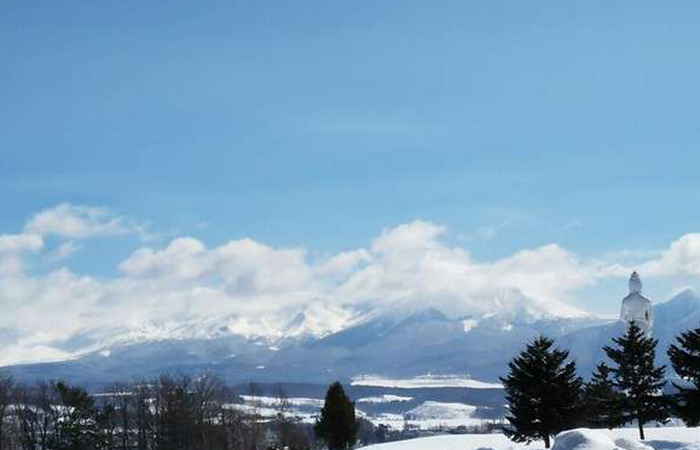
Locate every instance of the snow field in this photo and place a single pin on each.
(665, 438)
(274, 401)
(428, 415)
(387, 398)
(425, 381)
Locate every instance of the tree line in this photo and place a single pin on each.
(545, 394)
(165, 413)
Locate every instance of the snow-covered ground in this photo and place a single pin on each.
(426, 416)
(302, 408)
(266, 413)
(438, 414)
(275, 401)
(386, 398)
(668, 438)
(425, 381)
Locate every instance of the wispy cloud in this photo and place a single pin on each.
(63, 251)
(81, 222)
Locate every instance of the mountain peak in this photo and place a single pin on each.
(681, 306)
(687, 291)
(426, 315)
(686, 297)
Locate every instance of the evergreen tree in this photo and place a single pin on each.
(337, 426)
(603, 403)
(543, 393)
(637, 379)
(81, 424)
(685, 359)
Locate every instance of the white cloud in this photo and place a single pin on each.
(249, 286)
(12, 249)
(548, 273)
(411, 263)
(242, 265)
(247, 265)
(344, 263)
(17, 243)
(183, 258)
(63, 251)
(80, 222)
(681, 258)
(417, 235)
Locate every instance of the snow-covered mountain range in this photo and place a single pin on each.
(322, 343)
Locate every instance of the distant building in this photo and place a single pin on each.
(637, 308)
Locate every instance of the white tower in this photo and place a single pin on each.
(637, 308)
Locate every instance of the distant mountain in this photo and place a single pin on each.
(671, 318)
(394, 341)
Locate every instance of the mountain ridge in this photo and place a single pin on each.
(391, 342)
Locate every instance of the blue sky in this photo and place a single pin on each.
(318, 124)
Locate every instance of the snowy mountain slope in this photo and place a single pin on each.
(394, 343)
(680, 313)
(314, 321)
(413, 344)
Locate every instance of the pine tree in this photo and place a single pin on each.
(81, 425)
(543, 392)
(338, 425)
(685, 359)
(603, 403)
(637, 378)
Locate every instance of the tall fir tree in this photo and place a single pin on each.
(543, 392)
(337, 425)
(685, 359)
(81, 425)
(637, 378)
(602, 402)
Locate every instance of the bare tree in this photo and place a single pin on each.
(27, 418)
(119, 398)
(143, 406)
(254, 416)
(6, 394)
(233, 421)
(167, 413)
(46, 403)
(208, 396)
(284, 425)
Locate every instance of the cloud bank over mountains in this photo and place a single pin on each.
(252, 288)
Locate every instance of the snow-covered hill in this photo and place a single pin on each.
(675, 438)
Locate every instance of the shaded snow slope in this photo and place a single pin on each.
(585, 439)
